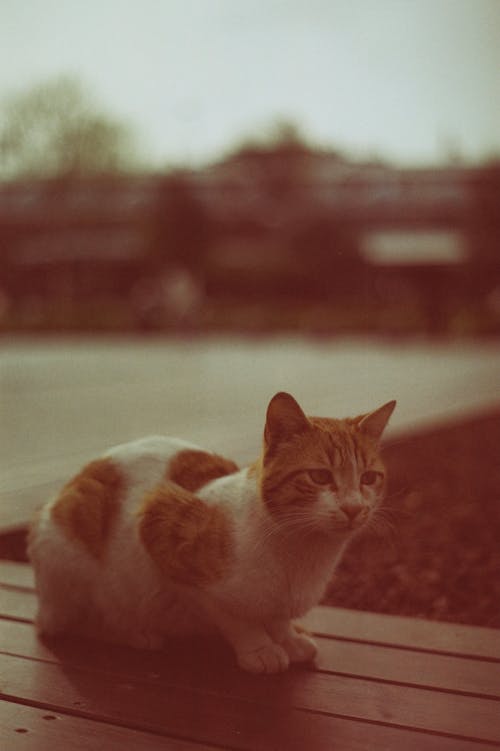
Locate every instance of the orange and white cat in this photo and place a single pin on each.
(159, 537)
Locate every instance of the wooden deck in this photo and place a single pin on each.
(379, 683)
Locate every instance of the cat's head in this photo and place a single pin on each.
(320, 474)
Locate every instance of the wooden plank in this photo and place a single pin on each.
(14, 574)
(415, 633)
(445, 672)
(404, 666)
(272, 723)
(16, 603)
(355, 659)
(26, 728)
(207, 665)
(350, 658)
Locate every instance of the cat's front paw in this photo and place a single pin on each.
(271, 658)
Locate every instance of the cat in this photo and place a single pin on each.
(159, 537)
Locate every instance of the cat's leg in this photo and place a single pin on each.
(255, 650)
(198, 537)
(295, 640)
(51, 620)
(57, 587)
(57, 609)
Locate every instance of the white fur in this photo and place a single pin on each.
(275, 577)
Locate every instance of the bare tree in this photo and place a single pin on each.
(55, 128)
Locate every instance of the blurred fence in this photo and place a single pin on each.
(260, 241)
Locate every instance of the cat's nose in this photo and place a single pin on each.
(351, 510)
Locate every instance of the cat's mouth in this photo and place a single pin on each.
(348, 524)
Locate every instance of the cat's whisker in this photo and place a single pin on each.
(391, 514)
(293, 523)
(396, 495)
(382, 529)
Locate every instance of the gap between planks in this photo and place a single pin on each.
(440, 673)
(342, 678)
(273, 719)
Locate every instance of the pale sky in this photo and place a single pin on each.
(402, 79)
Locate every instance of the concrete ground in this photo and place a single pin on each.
(63, 401)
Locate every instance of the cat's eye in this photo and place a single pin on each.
(370, 477)
(321, 476)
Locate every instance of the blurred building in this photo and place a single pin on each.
(284, 224)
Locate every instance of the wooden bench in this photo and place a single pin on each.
(380, 682)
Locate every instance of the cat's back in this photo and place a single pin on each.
(146, 462)
(104, 493)
(98, 507)
(150, 449)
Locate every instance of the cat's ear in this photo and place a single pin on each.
(375, 422)
(284, 419)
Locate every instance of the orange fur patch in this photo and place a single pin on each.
(191, 469)
(88, 504)
(255, 469)
(188, 540)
